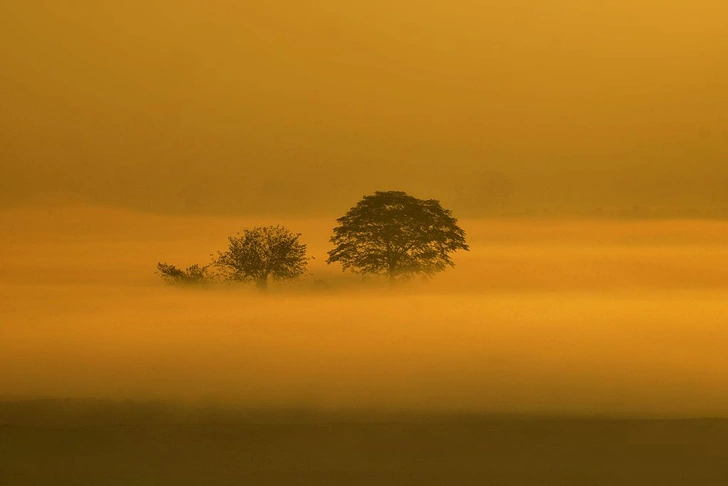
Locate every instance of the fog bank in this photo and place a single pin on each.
(540, 317)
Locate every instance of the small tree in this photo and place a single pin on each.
(262, 252)
(394, 234)
(191, 275)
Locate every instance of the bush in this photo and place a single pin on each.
(192, 275)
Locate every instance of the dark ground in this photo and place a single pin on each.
(58, 442)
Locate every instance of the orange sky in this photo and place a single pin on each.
(581, 104)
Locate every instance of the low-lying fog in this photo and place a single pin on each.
(545, 316)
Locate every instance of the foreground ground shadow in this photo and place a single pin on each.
(143, 445)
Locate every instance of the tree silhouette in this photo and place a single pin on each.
(262, 252)
(394, 234)
(191, 275)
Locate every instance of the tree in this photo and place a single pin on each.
(191, 275)
(262, 252)
(394, 234)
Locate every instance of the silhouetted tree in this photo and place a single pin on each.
(394, 234)
(191, 275)
(262, 252)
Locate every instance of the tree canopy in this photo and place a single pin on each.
(394, 234)
(262, 252)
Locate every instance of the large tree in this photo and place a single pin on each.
(394, 234)
(263, 252)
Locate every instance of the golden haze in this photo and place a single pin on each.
(542, 316)
(285, 107)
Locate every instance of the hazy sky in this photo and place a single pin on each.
(272, 105)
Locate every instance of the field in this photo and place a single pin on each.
(568, 347)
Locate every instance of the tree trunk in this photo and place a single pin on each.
(392, 265)
(262, 283)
